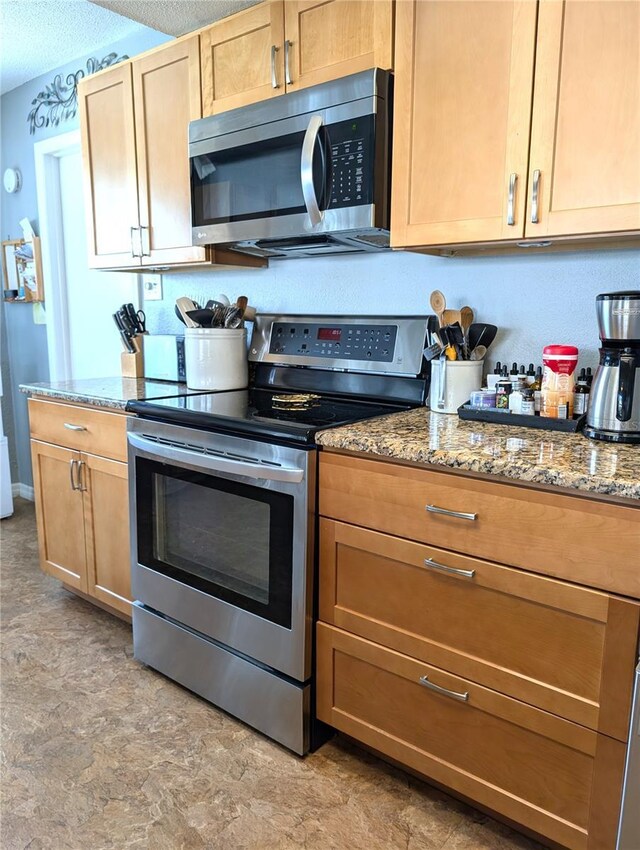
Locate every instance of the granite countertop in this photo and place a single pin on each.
(524, 454)
(112, 393)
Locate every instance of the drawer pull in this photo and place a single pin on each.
(434, 509)
(462, 697)
(72, 427)
(429, 562)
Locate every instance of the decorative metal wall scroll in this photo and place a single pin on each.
(59, 101)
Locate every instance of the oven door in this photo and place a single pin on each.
(222, 539)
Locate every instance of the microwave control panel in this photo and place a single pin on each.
(335, 341)
(352, 156)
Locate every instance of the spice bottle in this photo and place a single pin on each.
(580, 396)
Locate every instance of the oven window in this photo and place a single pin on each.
(227, 539)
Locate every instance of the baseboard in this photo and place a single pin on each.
(23, 490)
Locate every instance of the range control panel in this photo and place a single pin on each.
(352, 153)
(375, 343)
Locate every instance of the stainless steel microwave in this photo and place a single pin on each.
(303, 174)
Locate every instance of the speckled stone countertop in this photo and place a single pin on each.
(524, 454)
(113, 393)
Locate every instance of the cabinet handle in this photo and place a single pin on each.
(81, 465)
(144, 231)
(535, 189)
(462, 697)
(72, 464)
(131, 232)
(287, 71)
(71, 427)
(274, 78)
(434, 509)
(434, 565)
(511, 199)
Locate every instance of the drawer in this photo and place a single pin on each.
(578, 539)
(98, 432)
(557, 778)
(567, 649)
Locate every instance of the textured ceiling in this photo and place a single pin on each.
(39, 35)
(175, 17)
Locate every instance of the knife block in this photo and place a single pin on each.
(132, 365)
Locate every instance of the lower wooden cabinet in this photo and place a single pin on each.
(478, 658)
(555, 777)
(82, 500)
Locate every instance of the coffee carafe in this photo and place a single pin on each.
(614, 407)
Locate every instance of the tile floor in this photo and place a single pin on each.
(100, 752)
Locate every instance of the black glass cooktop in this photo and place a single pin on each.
(264, 413)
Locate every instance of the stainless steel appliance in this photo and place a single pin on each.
(222, 505)
(614, 408)
(629, 829)
(300, 175)
(164, 357)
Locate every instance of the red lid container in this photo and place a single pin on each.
(561, 359)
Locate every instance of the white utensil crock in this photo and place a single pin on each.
(461, 378)
(216, 358)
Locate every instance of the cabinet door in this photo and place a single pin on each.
(585, 140)
(106, 515)
(166, 86)
(109, 164)
(243, 58)
(463, 83)
(331, 39)
(59, 513)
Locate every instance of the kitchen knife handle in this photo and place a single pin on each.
(287, 70)
(535, 196)
(274, 76)
(511, 198)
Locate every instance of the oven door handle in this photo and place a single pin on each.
(214, 463)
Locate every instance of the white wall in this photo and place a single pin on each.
(534, 300)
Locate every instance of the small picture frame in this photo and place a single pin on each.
(22, 270)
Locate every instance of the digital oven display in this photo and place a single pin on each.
(332, 334)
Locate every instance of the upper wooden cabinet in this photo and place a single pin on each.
(166, 94)
(467, 146)
(585, 134)
(327, 40)
(109, 162)
(278, 47)
(134, 121)
(243, 58)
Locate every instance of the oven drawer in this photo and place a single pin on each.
(536, 769)
(579, 539)
(97, 432)
(567, 649)
(229, 681)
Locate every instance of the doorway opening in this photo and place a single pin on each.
(82, 339)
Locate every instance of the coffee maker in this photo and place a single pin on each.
(614, 408)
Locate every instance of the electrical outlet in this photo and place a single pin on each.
(152, 287)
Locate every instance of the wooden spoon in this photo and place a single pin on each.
(450, 317)
(466, 319)
(438, 305)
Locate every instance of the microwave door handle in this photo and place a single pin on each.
(306, 169)
(249, 469)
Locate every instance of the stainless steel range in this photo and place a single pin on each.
(223, 497)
